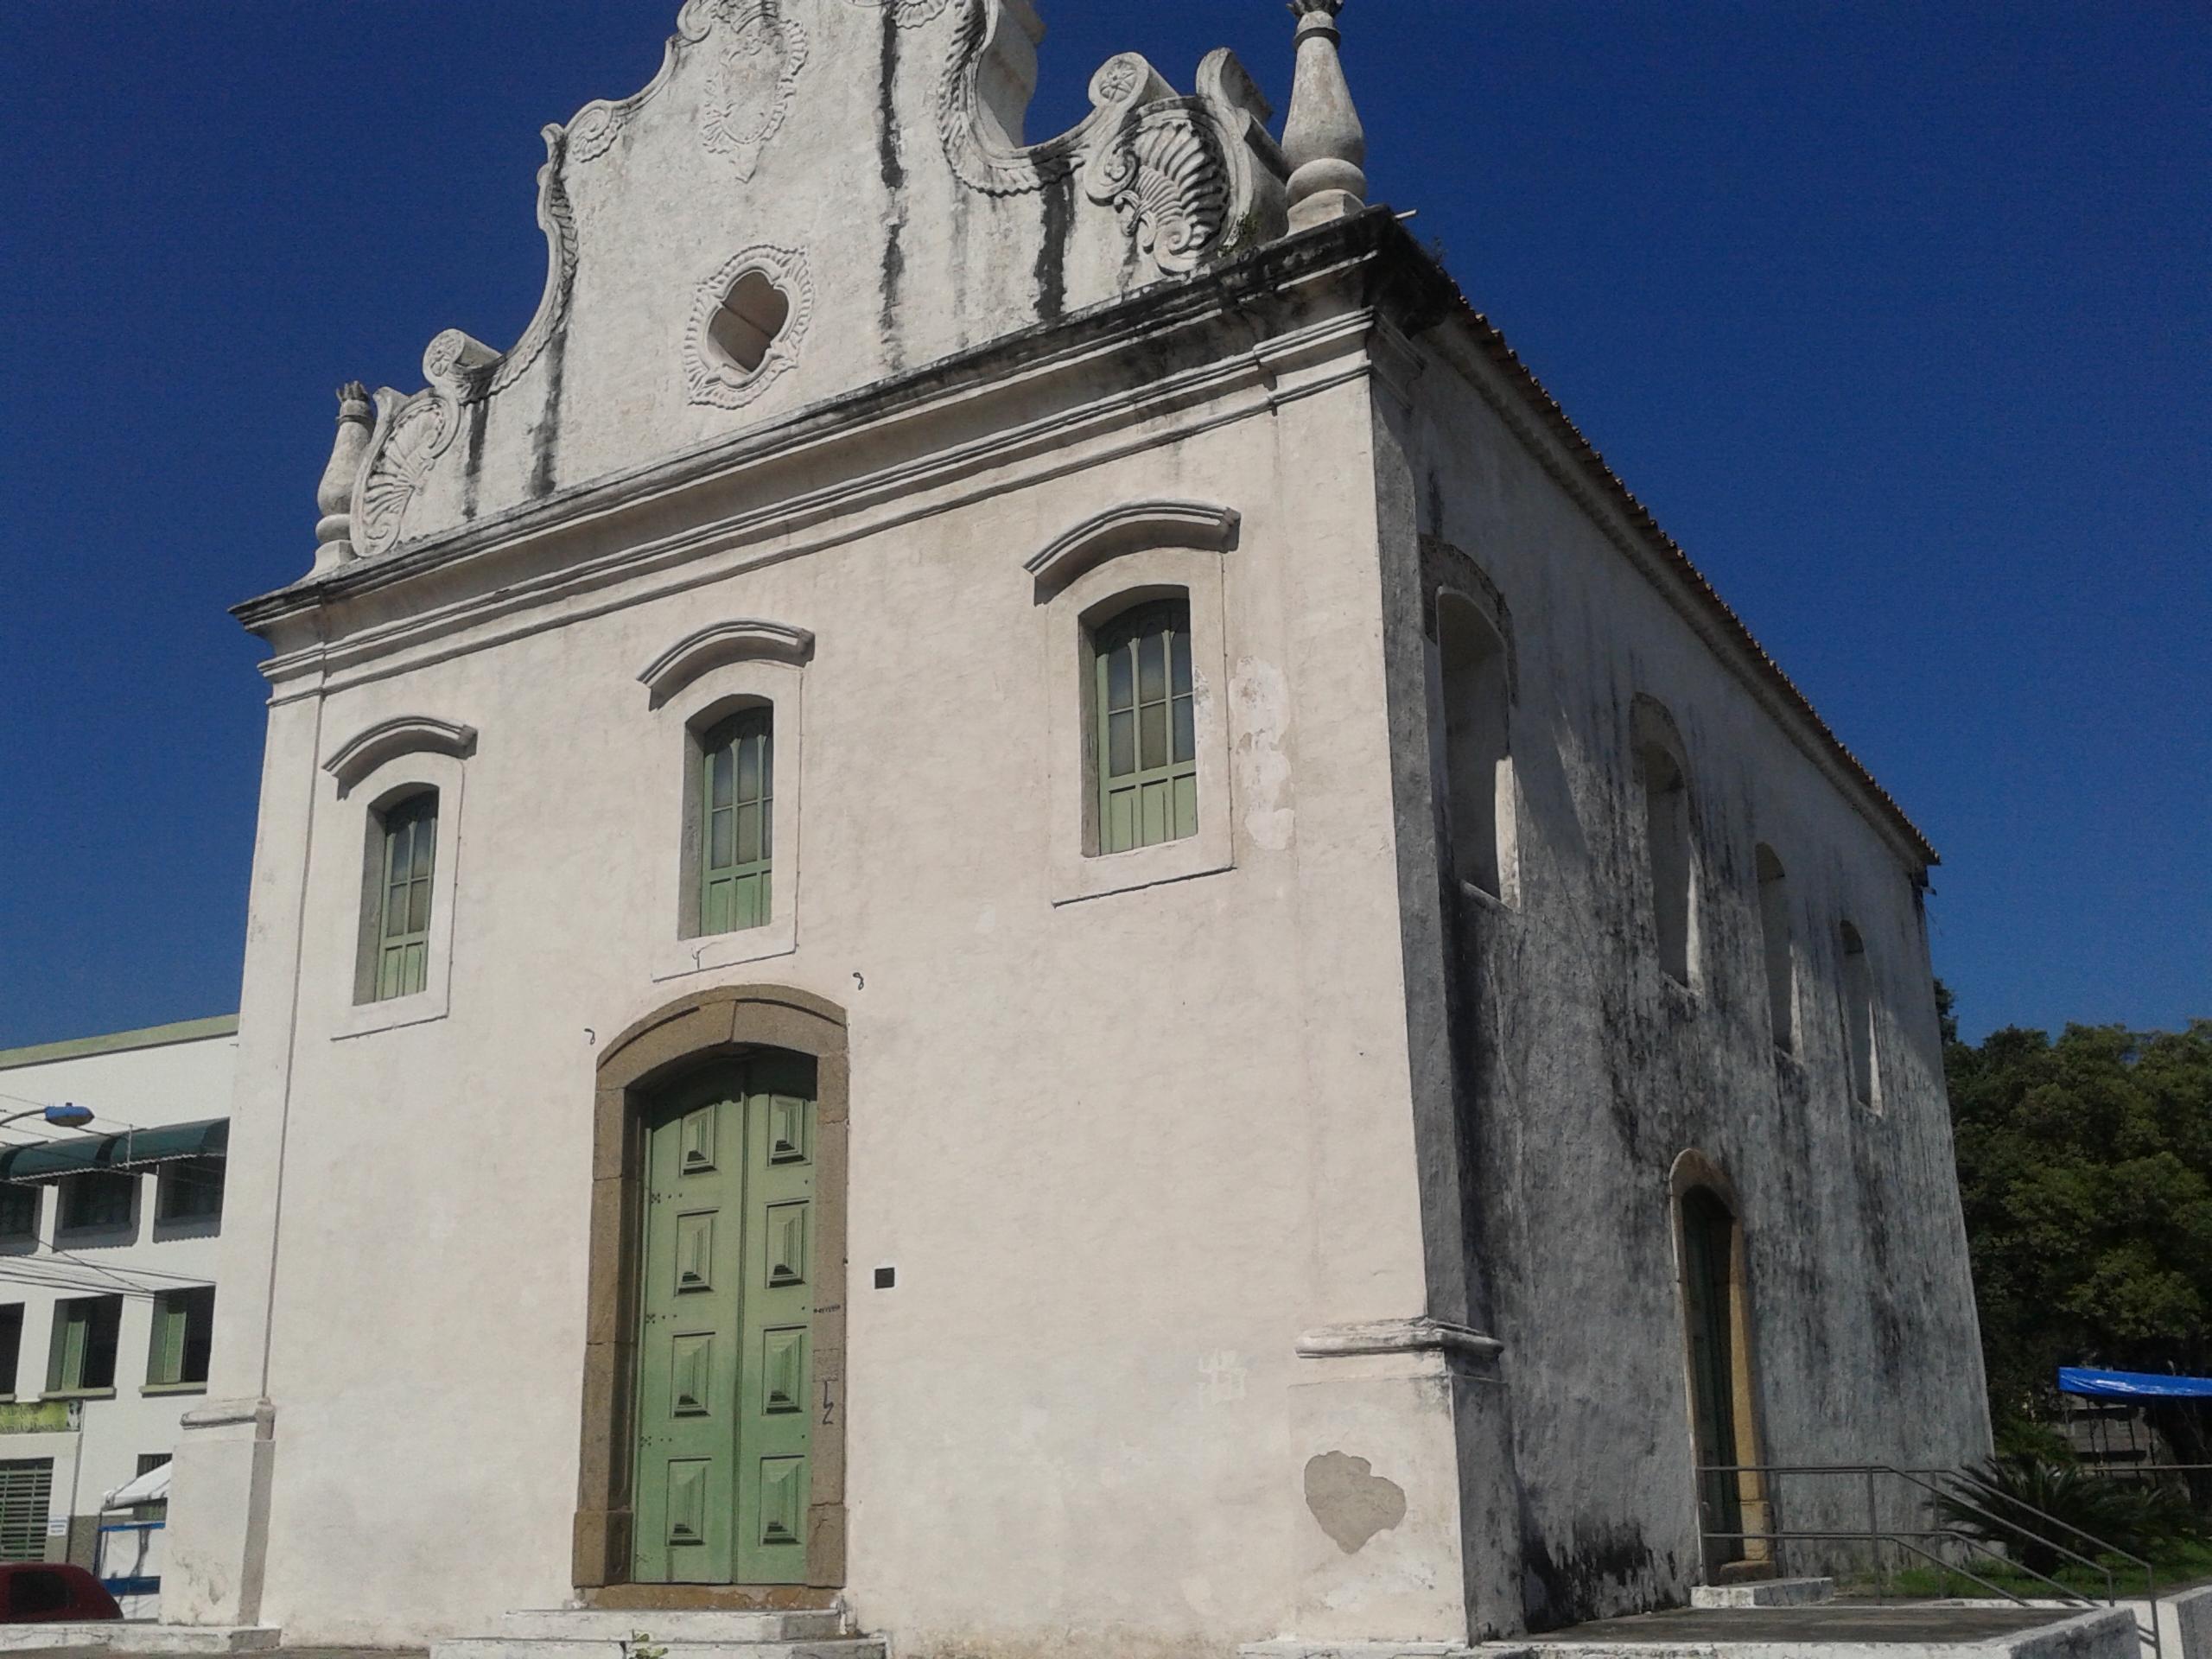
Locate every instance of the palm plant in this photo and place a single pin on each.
(2036, 1509)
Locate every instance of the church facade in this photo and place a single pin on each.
(1004, 896)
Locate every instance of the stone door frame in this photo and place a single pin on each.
(727, 1021)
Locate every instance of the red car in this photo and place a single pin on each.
(51, 1592)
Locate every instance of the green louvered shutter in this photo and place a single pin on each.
(1147, 733)
(737, 789)
(411, 841)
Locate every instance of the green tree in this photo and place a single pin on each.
(2085, 1165)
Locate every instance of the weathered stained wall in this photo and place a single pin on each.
(1568, 1073)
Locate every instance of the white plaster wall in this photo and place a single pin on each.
(1586, 1074)
(1121, 1152)
(144, 1087)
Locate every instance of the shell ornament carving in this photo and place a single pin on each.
(1165, 179)
(1180, 173)
(411, 434)
(755, 79)
(710, 377)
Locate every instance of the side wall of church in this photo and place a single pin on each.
(1086, 1133)
(1581, 1073)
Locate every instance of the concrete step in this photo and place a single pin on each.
(506, 1647)
(130, 1635)
(624, 1624)
(1764, 1592)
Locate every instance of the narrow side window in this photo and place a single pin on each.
(1665, 784)
(1781, 964)
(736, 829)
(403, 849)
(1478, 711)
(184, 1323)
(1145, 751)
(1859, 1020)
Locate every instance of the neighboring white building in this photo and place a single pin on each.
(1003, 897)
(108, 1238)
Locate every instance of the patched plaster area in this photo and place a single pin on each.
(1259, 695)
(1352, 1501)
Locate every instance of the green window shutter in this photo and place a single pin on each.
(1147, 752)
(737, 790)
(411, 841)
(165, 1361)
(65, 1363)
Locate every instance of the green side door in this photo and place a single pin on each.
(725, 1372)
(1708, 1244)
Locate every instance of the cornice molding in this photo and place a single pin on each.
(365, 752)
(1126, 528)
(1414, 1336)
(745, 639)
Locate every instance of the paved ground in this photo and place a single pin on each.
(1828, 1622)
(121, 1651)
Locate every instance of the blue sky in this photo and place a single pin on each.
(1899, 316)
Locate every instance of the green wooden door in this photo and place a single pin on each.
(724, 1372)
(1708, 1244)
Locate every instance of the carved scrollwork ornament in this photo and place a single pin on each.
(908, 14)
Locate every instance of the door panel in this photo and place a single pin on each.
(1708, 1242)
(725, 1369)
(776, 1396)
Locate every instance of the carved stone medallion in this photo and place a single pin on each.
(759, 53)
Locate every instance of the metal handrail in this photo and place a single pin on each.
(2008, 1521)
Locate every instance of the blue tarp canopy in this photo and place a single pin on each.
(2132, 1385)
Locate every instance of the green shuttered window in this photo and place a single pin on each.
(1147, 735)
(82, 1356)
(403, 937)
(184, 1325)
(737, 789)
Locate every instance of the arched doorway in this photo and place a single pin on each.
(1716, 1328)
(713, 1442)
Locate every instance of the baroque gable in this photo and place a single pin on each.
(809, 196)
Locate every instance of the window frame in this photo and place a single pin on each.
(1495, 801)
(11, 1347)
(189, 1175)
(73, 1190)
(400, 827)
(1862, 1040)
(68, 1362)
(1671, 808)
(1777, 940)
(350, 861)
(1072, 613)
(32, 1195)
(183, 1320)
(685, 717)
(1166, 617)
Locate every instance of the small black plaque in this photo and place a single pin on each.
(886, 1278)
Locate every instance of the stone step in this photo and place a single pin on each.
(132, 1635)
(1764, 1592)
(508, 1647)
(623, 1624)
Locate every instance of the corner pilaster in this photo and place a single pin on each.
(1407, 1529)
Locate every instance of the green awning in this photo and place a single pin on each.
(131, 1149)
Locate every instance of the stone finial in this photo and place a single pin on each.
(1322, 139)
(335, 495)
